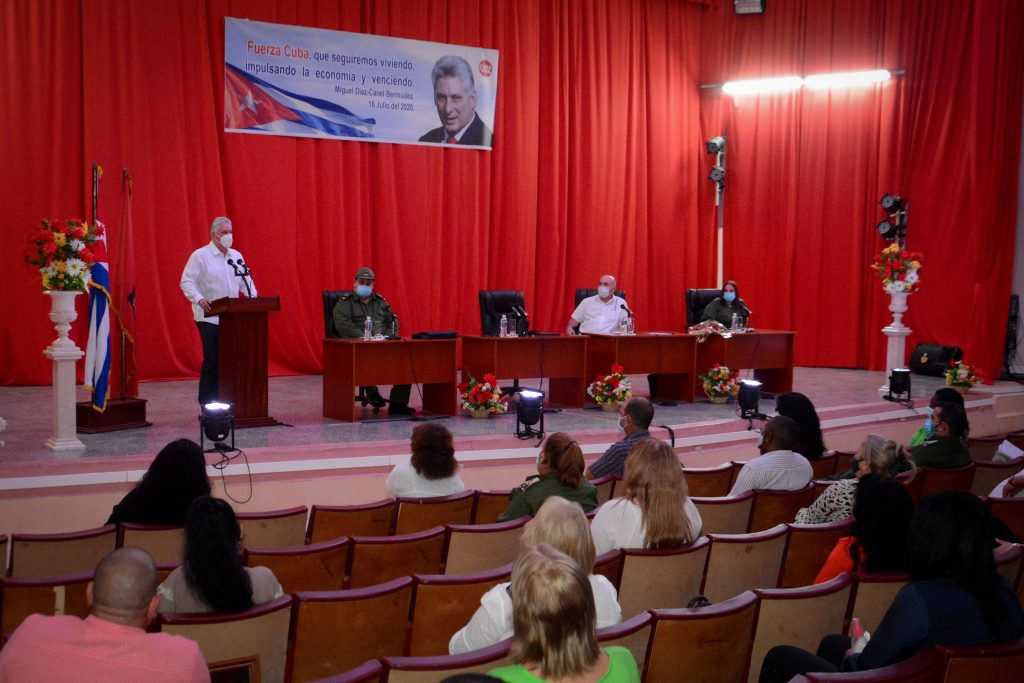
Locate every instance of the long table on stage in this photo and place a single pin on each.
(768, 352)
(670, 356)
(559, 359)
(351, 363)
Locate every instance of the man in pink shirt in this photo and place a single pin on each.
(111, 644)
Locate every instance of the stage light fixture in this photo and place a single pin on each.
(762, 86)
(849, 79)
(749, 397)
(529, 412)
(890, 203)
(748, 6)
(217, 423)
(717, 174)
(899, 386)
(715, 145)
(887, 230)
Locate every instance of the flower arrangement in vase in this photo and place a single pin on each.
(720, 383)
(612, 389)
(63, 252)
(898, 269)
(483, 398)
(962, 376)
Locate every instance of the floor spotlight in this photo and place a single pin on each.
(217, 423)
(529, 411)
(750, 395)
(899, 386)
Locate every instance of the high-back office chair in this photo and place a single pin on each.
(495, 303)
(696, 301)
(331, 298)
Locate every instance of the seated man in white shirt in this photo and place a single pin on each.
(599, 313)
(778, 468)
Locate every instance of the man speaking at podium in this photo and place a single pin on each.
(213, 272)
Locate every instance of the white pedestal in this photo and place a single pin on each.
(64, 353)
(897, 332)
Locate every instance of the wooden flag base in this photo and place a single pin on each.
(121, 413)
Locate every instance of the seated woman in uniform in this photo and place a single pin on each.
(727, 304)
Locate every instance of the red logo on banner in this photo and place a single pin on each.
(486, 68)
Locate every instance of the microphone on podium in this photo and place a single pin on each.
(626, 309)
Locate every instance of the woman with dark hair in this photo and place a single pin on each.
(955, 596)
(212, 577)
(881, 517)
(560, 467)
(728, 303)
(797, 406)
(175, 478)
(432, 470)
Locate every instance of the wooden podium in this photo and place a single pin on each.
(242, 357)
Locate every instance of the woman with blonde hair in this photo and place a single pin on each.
(563, 526)
(555, 636)
(655, 513)
(876, 455)
(560, 467)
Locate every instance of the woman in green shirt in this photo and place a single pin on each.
(554, 620)
(726, 304)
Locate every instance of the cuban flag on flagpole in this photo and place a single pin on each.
(97, 352)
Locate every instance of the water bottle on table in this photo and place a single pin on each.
(503, 326)
(368, 328)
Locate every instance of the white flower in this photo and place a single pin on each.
(75, 267)
(50, 270)
(77, 245)
(911, 277)
(898, 286)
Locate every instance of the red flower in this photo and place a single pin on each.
(489, 378)
(614, 382)
(617, 369)
(98, 230)
(50, 248)
(463, 386)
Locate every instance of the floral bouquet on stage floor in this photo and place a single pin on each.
(721, 383)
(483, 396)
(960, 375)
(898, 269)
(63, 252)
(612, 389)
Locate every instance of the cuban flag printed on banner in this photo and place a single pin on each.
(250, 102)
(97, 352)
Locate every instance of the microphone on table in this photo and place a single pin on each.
(626, 309)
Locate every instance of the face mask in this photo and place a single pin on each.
(929, 427)
(226, 241)
(622, 427)
(603, 291)
(760, 440)
(729, 297)
(364, 291)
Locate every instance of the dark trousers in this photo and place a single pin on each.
(784, 662)
(399, 394)
(210, 335)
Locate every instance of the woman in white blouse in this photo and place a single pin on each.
(563, 526)
(432, 470)
(655, 512)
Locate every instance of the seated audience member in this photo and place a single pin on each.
(778, 468)
(563, 526)
(655, 513)
(878, 543)
(1011, 487)
(555, 635)
(432, 470)
(797, 406)
(727, 304)
(600, 313)
(111, 644)
(927, 431)
(559, 473)
(948, 446)
(635, 417)
(877, 455)
(212, 576)
(955, 596)
(175, 478)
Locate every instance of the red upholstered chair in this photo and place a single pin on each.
(372, 519)
(609, 565)
(316, 567)
(913, 482)
(740, 562)
(334, 631)
(1008, 562)
(778, 507)
(737, 465)
(726, 515)
(164, 543)
(417, 514)
(983, 448)
(376, 559)
(3, 554)
(367, 672)
(988, 474)
(420, 669)
(77, 552)
(634, 634)
(872, 596)
(706, 644)
(488, 505)
(51, 596)
(661, 578)
(475, 548)
(1011, 511)
(274, 528)
(708, 482)
(807, 549)
(261, 632)
(605, 485)
(996, 662)
(844, 459)
(444, 604)
(952, 479)
(927, 666)
(825, 465)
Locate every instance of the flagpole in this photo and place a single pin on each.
(126, 187)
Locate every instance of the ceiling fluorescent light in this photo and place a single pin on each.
(762, 85)
(850, 79)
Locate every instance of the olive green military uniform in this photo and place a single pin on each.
(942, 453)
(527, 498)
(349, 318)
(722, 311)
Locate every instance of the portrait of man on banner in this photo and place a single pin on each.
(455, 99)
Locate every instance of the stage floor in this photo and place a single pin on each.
(173, 410)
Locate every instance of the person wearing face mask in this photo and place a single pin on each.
(947, 448)
(559, 473)
(726, 304)
(207, 277)
(349, 317)
(927, 431)
(600, 313)
(635, 417)
(778, 468)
